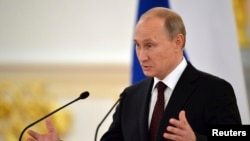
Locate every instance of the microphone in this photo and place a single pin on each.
(99, 125)
(82, 96)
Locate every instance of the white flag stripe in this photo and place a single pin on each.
(212, 44)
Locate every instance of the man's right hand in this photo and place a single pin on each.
(52, 134)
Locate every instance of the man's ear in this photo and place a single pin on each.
(179, 41)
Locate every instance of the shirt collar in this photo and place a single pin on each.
(172, 79)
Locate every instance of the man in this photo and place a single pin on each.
(193, 100)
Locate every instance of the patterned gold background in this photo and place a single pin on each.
(28, 92)
(241, 8)
(24, 102)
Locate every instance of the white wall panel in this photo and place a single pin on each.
(66, 31)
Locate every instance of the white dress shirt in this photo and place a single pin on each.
(171, 81)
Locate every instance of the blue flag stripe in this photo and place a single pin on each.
(143, 6)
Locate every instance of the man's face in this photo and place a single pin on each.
(157, 55)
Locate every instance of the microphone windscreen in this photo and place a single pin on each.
(84, 95)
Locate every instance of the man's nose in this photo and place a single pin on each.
(142, 55)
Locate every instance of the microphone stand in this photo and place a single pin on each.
(97, 129)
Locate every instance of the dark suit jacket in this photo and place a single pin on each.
(205, 98)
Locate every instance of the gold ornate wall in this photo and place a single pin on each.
(29, 92)
(242, 14)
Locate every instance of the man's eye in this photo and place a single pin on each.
(149, 45)
(137, 47)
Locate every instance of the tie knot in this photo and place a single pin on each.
(161, 87)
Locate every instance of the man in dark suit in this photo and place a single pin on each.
(192, 100)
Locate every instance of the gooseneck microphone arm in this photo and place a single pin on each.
(82, 96)
(97, 129)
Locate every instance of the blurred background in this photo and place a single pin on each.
(53, 50)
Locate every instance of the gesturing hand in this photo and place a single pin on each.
(52, 134)
(179, 130)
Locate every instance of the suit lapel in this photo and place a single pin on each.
(183, 90)
(145, 94)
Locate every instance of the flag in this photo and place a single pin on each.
(212, 44)
(143, 6)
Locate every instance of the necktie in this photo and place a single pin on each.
(158, 111)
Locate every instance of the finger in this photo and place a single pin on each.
(173, 130)
(49, 125)
(33, 134)
(171, 136)
(176, 123)
(182, 117)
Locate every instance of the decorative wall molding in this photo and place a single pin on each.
(101, 80)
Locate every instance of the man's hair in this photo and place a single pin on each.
(173, 22)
